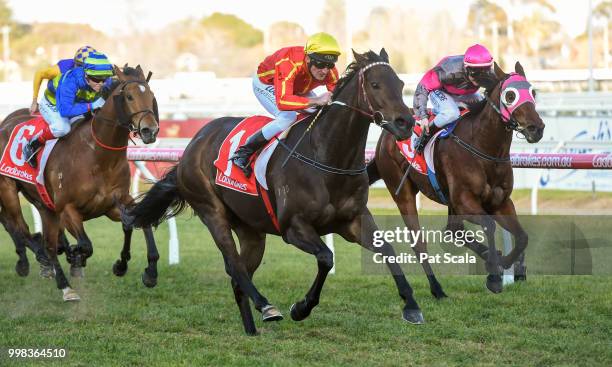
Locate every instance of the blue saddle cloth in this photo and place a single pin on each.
(446, 132)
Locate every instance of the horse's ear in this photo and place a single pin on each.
(118, 72)
(384, 55)
(359, 58)
(519, 69)
(139, 70)
(126, 65)
(499, 73)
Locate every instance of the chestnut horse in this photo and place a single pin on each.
(87, 176)
(474, 173)
(322, 189)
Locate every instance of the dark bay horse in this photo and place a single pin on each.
(87, 176)
(324, 192)
(474, 172)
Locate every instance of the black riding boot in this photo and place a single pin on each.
(30, 150)
(241, 157)
(421, 142)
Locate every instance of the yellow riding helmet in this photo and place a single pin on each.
(322, 43)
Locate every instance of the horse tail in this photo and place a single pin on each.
(372, 171)
(152, 209)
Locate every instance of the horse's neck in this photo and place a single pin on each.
(487, 132)
(340, 138)
(107, 132)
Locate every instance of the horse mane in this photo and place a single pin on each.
(127, 70)
(352, 69)
(475, 107)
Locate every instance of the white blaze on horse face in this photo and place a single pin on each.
(142, 88)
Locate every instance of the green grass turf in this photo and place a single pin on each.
(191, 318)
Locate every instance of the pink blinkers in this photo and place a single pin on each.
(515, 91)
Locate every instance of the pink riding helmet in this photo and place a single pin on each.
(477, 56)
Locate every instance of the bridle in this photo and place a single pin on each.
(125, 121)
(503, 110)
(376, 115)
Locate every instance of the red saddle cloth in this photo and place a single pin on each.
(228, 175)
(13, 164)
(417, 160)
(405, 146)
(232, 177)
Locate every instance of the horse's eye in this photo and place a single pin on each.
(375, 85)
(129, 97)
(509, 97)
(532, 92)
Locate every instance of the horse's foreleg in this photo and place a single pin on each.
(392, 166)
(455, 224)
(469, 208)
(303, 236)
(506, 217)
(149, 277)
(72, 220)
(361, 230)
(120, 266)
(51, 230)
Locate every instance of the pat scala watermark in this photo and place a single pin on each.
(411, 238)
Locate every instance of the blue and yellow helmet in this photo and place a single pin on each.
(96, 65)
(82, 53)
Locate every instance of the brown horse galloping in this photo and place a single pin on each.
(474, 173)
(87, 176)
(323, 189)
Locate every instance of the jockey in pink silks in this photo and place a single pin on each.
(454, 80)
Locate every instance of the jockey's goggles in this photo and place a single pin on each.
(96, 80)
(322, 64)
(475, 72)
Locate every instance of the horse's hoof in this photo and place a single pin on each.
(119, 268)
(47, 272)
(22, 268)
(252, 332)
(414, 317)
(77, 271)
(70, 295)
(271, 313)
(439, 296)
(494, 283)
(438, 293)
(298, 311)
(148, 281)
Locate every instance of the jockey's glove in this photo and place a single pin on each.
(98, 103)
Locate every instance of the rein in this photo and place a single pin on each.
(377, 117)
